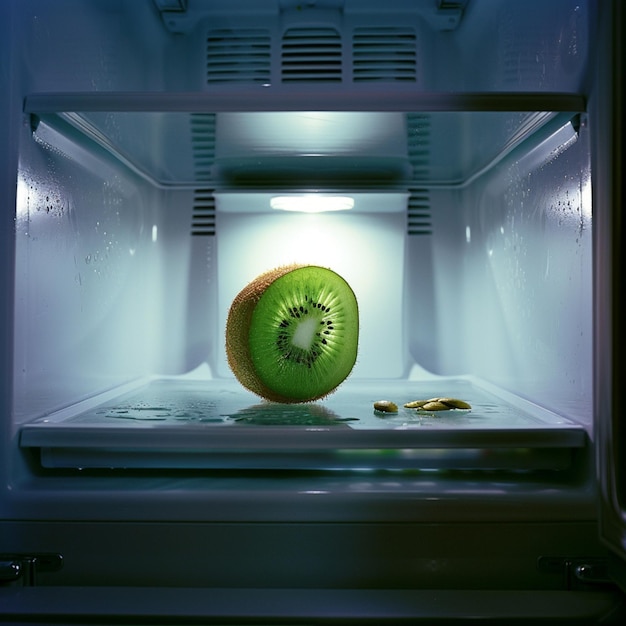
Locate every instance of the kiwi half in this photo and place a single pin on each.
(292, 333)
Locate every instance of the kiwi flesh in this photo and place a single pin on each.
(292, 333)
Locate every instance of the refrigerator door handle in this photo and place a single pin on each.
(595, 572)
(25, 567)
(578, 572)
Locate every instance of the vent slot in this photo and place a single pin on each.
(203, 144)
(418, 213)
(311, 55)
(238, 56)
(384, 54)
(203, 149)
(203, 219)
(418, 127)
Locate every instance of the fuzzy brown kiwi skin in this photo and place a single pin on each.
(237, 325)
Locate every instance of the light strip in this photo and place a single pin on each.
(312, 203)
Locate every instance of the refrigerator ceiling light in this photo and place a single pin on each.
(312, 203)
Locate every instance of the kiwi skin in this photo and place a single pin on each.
(237, 345)
(239, 316)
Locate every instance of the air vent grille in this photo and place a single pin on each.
(311, 55)
(238, 56)
(203, 144)
(418, 143)
(385, 54)
(203, 219)
(418, 213)
(203, 150)
(418, 127)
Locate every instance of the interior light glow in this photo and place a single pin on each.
(295, 133)
(22, 198)
(312, 203)
(261, 202)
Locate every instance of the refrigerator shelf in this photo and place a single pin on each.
(182, 140)
(303, 97)
(177, 423)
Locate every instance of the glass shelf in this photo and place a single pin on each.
(182, 424)
(413, 139)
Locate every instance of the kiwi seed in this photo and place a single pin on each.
(385, 406)
(415, 404)
(435, 405)
(292, 333)
(438, 404)
(455, 403)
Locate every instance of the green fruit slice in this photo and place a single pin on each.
(292, 334)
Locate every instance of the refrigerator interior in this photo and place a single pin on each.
(149, 143)
(453, 301)
(139, 218)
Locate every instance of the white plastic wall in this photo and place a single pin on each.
(510, 298)
(88, 294)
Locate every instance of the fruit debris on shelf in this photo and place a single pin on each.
(438, 404)
(385, 406)
(422, 406)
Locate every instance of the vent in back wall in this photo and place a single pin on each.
(311, 55)
(238, 56)
(202, 129)
(418, 127)
(418, 213)
(203, 218)
(202, 144)
(384, 54)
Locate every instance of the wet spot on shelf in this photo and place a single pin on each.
(202, 414)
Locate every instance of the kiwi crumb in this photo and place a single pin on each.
(385, 406)
(438, 404)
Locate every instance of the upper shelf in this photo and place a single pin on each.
(249, 139)
(305, 97)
